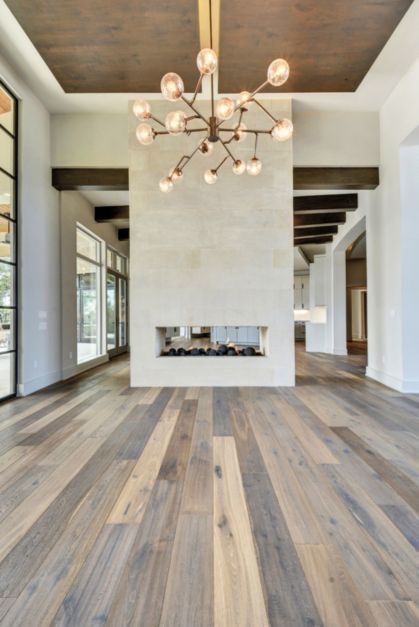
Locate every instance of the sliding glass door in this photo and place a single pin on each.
(116, 303)
(8, 224)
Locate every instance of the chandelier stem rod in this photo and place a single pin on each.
(239, 106)
(188, 157)
(222, 162)
(185, 100)
(157, 120)
(198, 85)
(256, 144)
(248, 130)
(196, 130)
(264, 109)
(227, 150)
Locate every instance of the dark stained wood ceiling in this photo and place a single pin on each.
(113, 45)
(127, 45)
(329, 44)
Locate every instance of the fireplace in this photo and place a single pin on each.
(205, 341)
(219, 256)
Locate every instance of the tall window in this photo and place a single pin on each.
(116, 302)
(8, 216)
(89, 327)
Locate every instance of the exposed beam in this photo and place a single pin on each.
(336, 178)
(108, 179)
(321, 239)
(107, 214)
(123, 235)
(90, 179)
(331, 202)
(304, 255)
(318, 219)
(316, 230)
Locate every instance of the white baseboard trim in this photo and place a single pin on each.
(401, 385)
(73, 371)
(34, 385)
(29, 387)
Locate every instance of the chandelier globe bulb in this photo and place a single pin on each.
(254, 166)
(282, 130)
(210, 177)
(141, 109)
(278, 72)
(166, 184)
(145, 134)
(172, 86)
(207, 61)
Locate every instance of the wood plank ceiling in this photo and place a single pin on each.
(121, 46)
(125, 46)
(330, 45)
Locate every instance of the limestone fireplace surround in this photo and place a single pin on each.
(216, 255)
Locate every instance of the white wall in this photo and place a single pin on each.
(89, 140)
(321, 138)
(39, 245)
(336, 138)
(392, 249)
(74, 208)
(212, 256)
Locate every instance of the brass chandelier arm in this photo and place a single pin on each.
(196, 130)
(220, 164)
(239, 106)
(198, 85)
(264, 109)
(227, 150)
(248, 130)
(189, 103)
(152, 117)
(187, 158)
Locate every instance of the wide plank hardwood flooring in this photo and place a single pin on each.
(190, 507)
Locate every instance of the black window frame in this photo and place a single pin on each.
(14, 220)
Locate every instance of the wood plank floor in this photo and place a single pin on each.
(200, 507)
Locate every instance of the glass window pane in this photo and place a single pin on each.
(7, 330)
(87, 245)
(111, 311)
(122, 312)
(7, 374)
(7, 110)
(6, 285)
(6, 195)
(6, 240)
(119, 263)
(88, 310)
(109, 258)
(6, 152)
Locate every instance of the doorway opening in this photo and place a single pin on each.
(357, 297)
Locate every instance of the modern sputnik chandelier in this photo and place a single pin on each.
(176, 122)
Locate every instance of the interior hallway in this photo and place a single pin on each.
(227, 506)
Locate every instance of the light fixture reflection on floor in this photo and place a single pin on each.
(176, 122)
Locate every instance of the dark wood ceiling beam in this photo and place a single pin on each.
(321, 239)
(108, 214)
(331, 202)
(90, 179)
(316, 230)
(318, 219)
(123, 235)
(336, 178)
(109, 179)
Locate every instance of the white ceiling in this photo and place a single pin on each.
(107, 199)
(394, 60)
